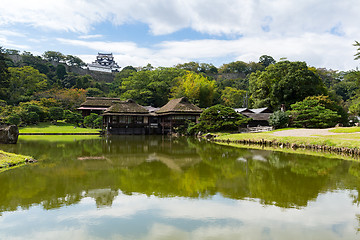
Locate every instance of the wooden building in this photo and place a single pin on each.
(175, 113)
(126, 117)
(96, 105)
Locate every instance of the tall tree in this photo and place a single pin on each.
(284, 83)
(4, 75)
(266, 60)
(357, 55)
(54, 56)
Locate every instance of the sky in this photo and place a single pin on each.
(168, 32)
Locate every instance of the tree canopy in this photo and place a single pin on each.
(284, 82)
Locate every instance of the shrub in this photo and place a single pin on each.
(71, 117)
(56, 113)
(93, 121)
(279, 119)
(13, 119)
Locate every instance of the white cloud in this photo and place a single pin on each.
(90, 36)
(316, 49)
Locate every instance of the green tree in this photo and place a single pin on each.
(56, 113)
(219, 118)
(232, 97)
(284, 83)
(13, 119)
(72, 117)
(197, 88)
(61, 71)
(279, 119)
(150, 87)
(93, 121)
(74, 61)
(54, 56)
(266, 60)
(4, 76)
(357, 55)
(312, 113)
(24, 82)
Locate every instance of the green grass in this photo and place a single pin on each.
(345, 130)
(341, 140)
(10, 160)
(61, 127)
(57, 138)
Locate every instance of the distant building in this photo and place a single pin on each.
(104, 63)
(259, 116)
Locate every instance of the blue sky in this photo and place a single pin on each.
(168, 32)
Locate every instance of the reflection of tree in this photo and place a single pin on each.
(166, 168)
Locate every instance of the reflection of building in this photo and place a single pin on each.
(104, 63)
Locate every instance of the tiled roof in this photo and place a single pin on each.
(260, 110)
(179, 105)
(258, 116)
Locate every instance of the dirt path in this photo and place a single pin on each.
(304, 132)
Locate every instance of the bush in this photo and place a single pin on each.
(71, 117)
(279, 119)
(30, 117)
(93, 121)
(56, 113)
(13, 119)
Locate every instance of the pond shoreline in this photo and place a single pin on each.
(59, 133)
(11, 160)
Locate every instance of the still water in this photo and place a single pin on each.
(141, 187)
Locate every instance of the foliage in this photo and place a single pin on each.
(197, 88)
(72, 117)
(61, 71)
(357, 55)
(24, 82)
(232, 97)
(54, 56)
(241, 67)
(266, 60)
(279, 119)
(94, 92)
(13, 119)
(219, 118)
(198, 68)
(4, 76)
(93, 121)
(68, 98)
(74, 61)
(56, 113)
(284, 83)
(150, 87)
(312, 112)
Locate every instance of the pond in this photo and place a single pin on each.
(156, 187)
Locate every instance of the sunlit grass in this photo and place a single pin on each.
(345, 130)
(61, 127)
(57, 138)
(11, 160)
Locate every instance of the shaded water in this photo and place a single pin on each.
(154, 187)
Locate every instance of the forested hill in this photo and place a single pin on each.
(59, 80)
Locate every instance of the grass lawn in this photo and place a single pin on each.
(61, 127)
(345, 130)
(11, 160)
(57, 138)
(340, 140)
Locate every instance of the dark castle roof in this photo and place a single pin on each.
(179, 105)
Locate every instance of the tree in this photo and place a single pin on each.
(150, 87)
(74, 61)
(219, 118)
(24, 82)
(93, 121)
(279, 119)
(197, 88)
(54, 56)
(312, 113)
(4, 76)
(61, 71)
(72, 117)
(357, 55)
(284, 83)
(266, 60)
(56, 113)
(232, 97)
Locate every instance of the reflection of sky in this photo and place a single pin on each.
(331, 216)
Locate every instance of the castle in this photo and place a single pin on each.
(104, 63)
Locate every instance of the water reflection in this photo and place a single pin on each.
(198, 184)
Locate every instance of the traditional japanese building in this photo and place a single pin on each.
(104, 63)
(96, 105)
(176, 112)
(126, 117)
